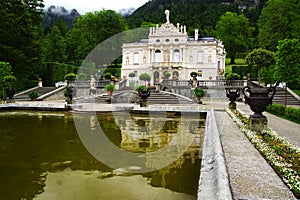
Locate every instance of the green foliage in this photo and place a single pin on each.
(166, 75)
(290, 113)
(54, 72)
(107, 76)
(193, 74)
(279, 20)
(110, 87)
(288, 62)
(9, 81)
(263, 61)
(131, 75)
(198, 92)
(70, 77)
(233, 76)
(33, 95)
(235, 32)
(5, 70)
(54, 48)
(91, 29)
(20, 38)
(145, 77)
(140, 88)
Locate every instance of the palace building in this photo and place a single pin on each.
(168, 48)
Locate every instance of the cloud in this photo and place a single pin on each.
(95, 5)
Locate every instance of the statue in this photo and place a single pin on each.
(167, 12)
(92, 86)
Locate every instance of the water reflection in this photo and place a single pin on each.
(42, 157)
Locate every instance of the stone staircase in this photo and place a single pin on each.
(279, 98)
(40, 90)
(132, 96)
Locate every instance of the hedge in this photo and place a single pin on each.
(243, 70)
(288, 112)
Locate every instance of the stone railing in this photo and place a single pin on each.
(206, 83)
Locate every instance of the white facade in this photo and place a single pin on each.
(169, 48)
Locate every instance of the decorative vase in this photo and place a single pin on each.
(232, 94)
(258, 99)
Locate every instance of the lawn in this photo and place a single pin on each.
(297, 92)
(228, 66)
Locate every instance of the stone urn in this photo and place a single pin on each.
(232, 94)
(143, 95)
(258, 99)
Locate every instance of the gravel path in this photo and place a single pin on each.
(250, 176)
(285, 128)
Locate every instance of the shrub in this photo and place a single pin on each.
(110, 87)
(145, 77)
(131, 75)
(288, 112)
(193, 74)
(107, 76)
(198, 92)
(233, 76)
(33, 95)
(70, 77)
(140, 88)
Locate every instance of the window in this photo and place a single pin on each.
(157, 57)
(199, 73)
(210, 58)
(158, 40)
(176, 40)
(167, 40)
(176, 56)
(136, 58)
(200, 57)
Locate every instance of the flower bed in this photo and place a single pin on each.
(283, 156)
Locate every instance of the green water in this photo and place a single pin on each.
(42, 157)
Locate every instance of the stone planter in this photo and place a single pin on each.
(143, 95)
(232, 94)
(258, 99)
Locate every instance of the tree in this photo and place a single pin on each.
(91, 29)
(5, 70)
(262, 61)
(20, 23)
(279, 20)
(288, 62)
(235, 32)
(145, 77)
(55, 46)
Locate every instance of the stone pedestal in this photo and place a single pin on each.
(232, 105)
(143, 104)
(258, 123)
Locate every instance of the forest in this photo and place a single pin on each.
(43, 43)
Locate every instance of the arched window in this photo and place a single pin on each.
(156, 76)
(176, 55)
(157, 57)
(175, 75)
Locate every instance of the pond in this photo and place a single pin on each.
(44, 156)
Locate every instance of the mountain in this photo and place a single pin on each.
(202, 14)
(54, 12)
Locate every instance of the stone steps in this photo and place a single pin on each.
(40, 90)
(279, 98)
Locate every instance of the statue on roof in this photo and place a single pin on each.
(167, 12)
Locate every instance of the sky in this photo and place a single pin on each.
(83, 6)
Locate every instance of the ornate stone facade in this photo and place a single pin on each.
(169, 49)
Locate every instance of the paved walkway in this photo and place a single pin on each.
(250, 176)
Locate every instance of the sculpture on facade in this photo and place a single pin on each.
(92, 86)
(167, 12)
